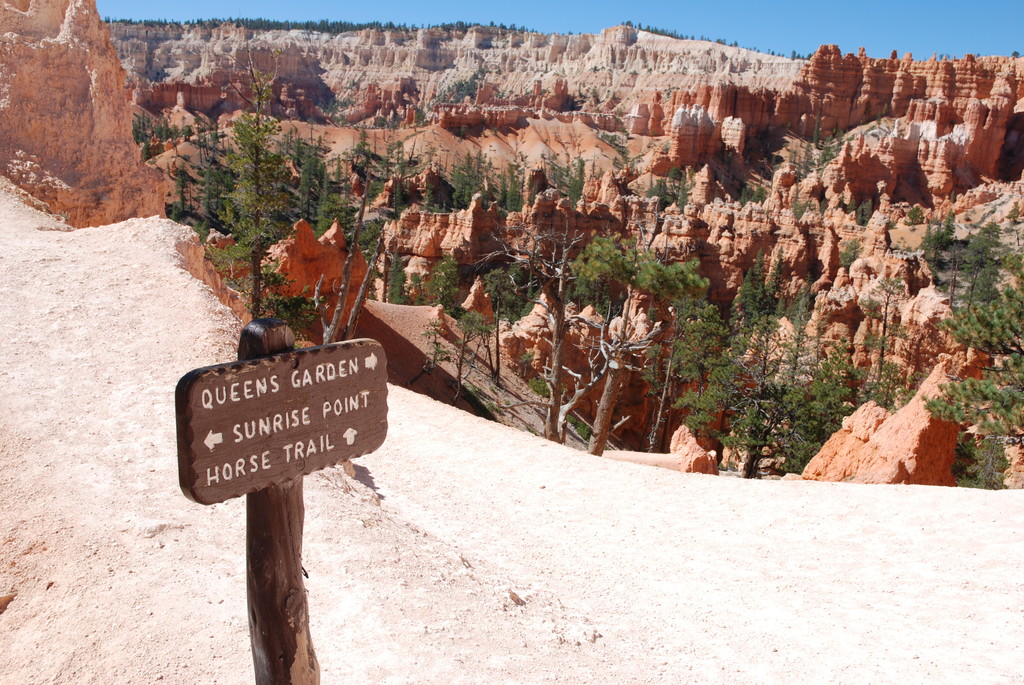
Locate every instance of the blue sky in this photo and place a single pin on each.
(922, 28)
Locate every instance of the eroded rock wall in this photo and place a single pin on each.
(65, 124)
(943, 126)
(377, 72)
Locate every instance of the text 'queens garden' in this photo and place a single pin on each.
(254, 388)
(242, 426)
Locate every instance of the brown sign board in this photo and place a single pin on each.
(247, 425)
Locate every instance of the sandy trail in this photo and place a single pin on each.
(491, 555)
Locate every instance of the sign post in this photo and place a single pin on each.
(255, 428)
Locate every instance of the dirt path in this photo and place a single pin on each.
(491, 555)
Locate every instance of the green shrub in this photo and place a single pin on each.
(581, 428)
(915, 215)
(849, 254)
(539, 386)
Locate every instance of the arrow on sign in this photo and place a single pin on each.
(213, 439)
(371, 362)
(350, 436)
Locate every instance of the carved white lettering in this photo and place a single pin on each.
(308, 448)
(240, 468)
(251, 389)
(271, 424)
(325, 373)
(344, 405)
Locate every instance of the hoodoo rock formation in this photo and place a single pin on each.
(307, 262)
(726, 239)
(909, 446)
(802, 165)
(912, 131)
(425, 237)
(74, 153)
(384, 72)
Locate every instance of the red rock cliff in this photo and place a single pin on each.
(66, 132)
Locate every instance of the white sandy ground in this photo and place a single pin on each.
(623, 573)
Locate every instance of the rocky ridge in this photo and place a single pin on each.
(944, 126)
(50, 147)
(383, 72)
(909, 446)
(960, 123)
(726, 239)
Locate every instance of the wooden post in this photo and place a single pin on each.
(282, 649)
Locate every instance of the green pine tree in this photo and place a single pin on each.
(255, 209)
(396, 283)
(703, 365)
(995, 402)
(469, 177)
(758, 296)
(443, 286)
(981, 270)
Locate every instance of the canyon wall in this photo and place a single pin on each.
(65, 135)
(816, 138)
(373, 72)
(922, 132)
(726, 239)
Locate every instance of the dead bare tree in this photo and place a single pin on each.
(632, 271)
(546, 254)
(332, 321)
(622, 341)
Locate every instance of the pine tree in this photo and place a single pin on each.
(819, 407)
(630, 271)
(182, 182)
(396, 283)
(702, 363)
(546, 256)
(937, 241)
(501, 286)
(309, 157)
(849, 253)
(982, 266)
(864, 212)
(469, 177)
(758, 408)
(510, 192)
(995, 402)
(758, 296)
(473, 329)
(256, 208)
(443, 286)
(884, 383)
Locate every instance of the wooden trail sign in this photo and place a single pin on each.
(250, 424)
(256, 427)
